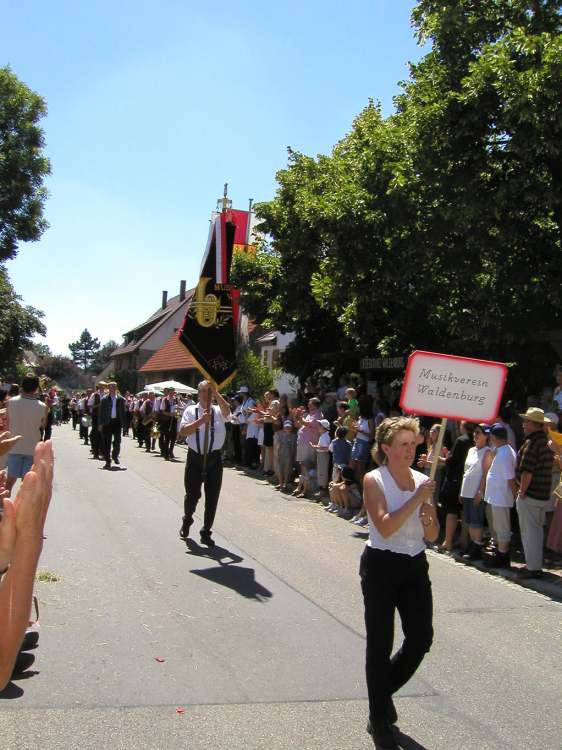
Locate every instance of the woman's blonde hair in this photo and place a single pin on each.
(387, 431)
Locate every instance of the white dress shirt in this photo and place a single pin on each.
(190, 416)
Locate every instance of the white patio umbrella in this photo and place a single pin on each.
(178, 387)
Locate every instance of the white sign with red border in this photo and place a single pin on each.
(442, 385)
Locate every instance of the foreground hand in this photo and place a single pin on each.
(205, 418)
(7, 442)
(7, 533)
(424, 493)
(34, 495)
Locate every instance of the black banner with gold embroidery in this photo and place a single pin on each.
(209, 328)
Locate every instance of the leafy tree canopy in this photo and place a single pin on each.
(84, 350)
(22, 164)
(18, 324)
(439, 226)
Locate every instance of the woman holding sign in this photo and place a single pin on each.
(394, 569)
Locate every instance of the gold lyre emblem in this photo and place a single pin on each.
(206, 305)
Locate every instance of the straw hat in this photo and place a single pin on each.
(533, 414)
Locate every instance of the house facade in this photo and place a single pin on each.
(144, 340)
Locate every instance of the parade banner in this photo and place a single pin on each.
(243, 232)
(208, 331)
(442, 385)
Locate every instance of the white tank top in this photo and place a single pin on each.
(408, 540)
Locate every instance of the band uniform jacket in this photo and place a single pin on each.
(105, 410)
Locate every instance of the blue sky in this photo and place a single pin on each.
(153, 106)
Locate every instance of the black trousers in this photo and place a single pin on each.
(111, 433)
(236, 443)
(194, 480)
(83, 431)
(168, 434)
(252, 452)
(391, 582)
(145, 434)
(168, 429)
(74, 419)
(128, 420)
(95, 436)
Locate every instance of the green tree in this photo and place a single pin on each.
(252, 373)
(18, 324)
(22, 164)
(84, 350)
(439, 226)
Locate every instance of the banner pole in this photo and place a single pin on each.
(437, 450)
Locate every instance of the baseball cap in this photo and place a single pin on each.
(243, 389)
(325, 424)
(498, 430)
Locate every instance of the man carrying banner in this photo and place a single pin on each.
(204, 426)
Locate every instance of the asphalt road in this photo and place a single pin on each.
(146, 643)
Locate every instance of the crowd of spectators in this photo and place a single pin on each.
(318, 445)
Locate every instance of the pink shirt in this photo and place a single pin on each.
(309, 431)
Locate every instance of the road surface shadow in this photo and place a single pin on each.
(239, 579)
(406, 742)
(220, 554)
(12, 691)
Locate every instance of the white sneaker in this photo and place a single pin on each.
(363, 521)
(329, 507)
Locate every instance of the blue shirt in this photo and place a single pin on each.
(341, 451)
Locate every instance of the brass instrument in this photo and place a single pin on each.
(207, 306)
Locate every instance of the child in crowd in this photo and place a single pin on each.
(307, 479)
(287, 447)
(352, 402)
(345, 495)
(322, 448)
(340, 448)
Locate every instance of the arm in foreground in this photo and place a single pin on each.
(25, 520)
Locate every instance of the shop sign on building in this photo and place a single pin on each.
(382, 363)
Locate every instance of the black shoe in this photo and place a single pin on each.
(474, 553)
(30, 640)
(524, 574)
(497, 560)
(116, 461)
(382, 734)
(107, 465)
(184, 531)
(206, 538)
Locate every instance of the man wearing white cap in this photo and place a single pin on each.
(534, 479)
